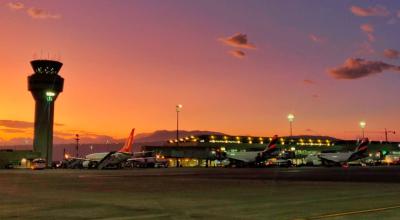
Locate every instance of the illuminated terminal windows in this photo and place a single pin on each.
(226, 139)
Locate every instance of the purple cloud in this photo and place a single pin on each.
(355, 68)
(238, 40)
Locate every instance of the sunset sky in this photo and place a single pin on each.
(237, 67)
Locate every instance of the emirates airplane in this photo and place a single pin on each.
(104, 160)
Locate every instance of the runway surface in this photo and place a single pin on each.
(202, 193)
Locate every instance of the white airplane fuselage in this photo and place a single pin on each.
(339, 157)
(246, 157)
(114, 159)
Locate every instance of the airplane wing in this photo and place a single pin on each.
(67, 157)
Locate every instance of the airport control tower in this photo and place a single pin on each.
(45, 84)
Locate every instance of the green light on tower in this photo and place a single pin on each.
(50, 95)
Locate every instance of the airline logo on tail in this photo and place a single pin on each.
(272, 144)
(127, 148)
(363, 146)
(360, 151)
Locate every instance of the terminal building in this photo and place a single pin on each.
(208, 150)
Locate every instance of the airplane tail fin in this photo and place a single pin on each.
(272, 144)
(360, 151)
(363, 146)
(127, 148)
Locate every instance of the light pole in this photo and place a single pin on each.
(386, 134)
(77, 144)
(362, 126)
(290, 117)
(178, 109)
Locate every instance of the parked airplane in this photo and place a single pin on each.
(104, 160)
(343, 158)
(252, 157)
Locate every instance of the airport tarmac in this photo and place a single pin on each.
(202, 193)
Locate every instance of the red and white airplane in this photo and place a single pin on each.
(104, 160)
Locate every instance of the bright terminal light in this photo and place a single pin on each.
(363, 124)
(290, 117)
(293, 148)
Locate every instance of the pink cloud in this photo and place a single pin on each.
(237, 53)
(369, 30)
(39, 13)
(391, 53)
(309, 82)
(15, 5)
(365, 48)
(317, 39)
(377, 10)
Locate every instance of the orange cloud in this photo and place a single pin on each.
(238, 40)
(15, 5)
(16, 124)
(368, 28)
(391, 53)
(377, 10)
(12, 130)
(309, 82)
(39, 13)
(237, 53)
(355, 68)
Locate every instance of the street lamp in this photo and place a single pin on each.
(290, 117)
(362, 126)
(178, 109)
